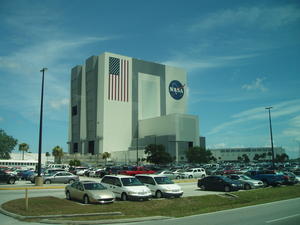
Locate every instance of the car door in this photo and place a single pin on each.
(59, 178)
(116, 187)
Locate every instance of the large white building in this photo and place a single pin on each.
(121, 104)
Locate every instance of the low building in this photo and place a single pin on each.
(232, 154)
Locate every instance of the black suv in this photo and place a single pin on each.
(7, 177)
(219, 183)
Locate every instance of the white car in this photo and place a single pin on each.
(126, 187)
(160, 186)
(194, 173)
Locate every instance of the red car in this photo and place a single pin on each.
(137, 170)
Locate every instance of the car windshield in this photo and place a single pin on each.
(189, 171)
(131, 182)
(163, 180)
(227, 179)
(244, 177)
(94, 186)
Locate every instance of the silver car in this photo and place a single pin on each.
(89, 192)
(60, 177)
(248, 182)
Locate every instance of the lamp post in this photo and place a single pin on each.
(271, 135)
(39, 179)
(137, 144)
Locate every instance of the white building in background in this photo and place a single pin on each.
(232, 154)
(28, 156)
(121, 104)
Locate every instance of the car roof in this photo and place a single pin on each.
(119, 176)
(150, 175)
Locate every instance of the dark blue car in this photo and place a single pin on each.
(267, 179)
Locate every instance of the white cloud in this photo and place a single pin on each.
(255, 85)
(189, 62)
(287, 108)
(264, 17)
(59, 103)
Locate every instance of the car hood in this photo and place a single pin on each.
(102, 193)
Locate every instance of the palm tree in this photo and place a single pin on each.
(105, 156)
(47, 155)
(58, 153)
(24, 148)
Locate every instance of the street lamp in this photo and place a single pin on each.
(272, 147)
(39, 179)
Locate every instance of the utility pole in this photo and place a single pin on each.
(271, 135)
(39, 179)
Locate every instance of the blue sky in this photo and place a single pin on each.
(241, 56)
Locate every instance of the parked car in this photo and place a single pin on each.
(8, 178)
(126, 187)
(60, 177)
(89, 192)
(171, 175)
(219, 183)
(267, 179)
(193, 173)
(137, 170)
(160, 185)
(289, 178)
(248, 182)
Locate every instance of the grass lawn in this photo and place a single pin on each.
(177, 207)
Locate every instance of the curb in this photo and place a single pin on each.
(32, 188)
(107, 221)
(44, 219)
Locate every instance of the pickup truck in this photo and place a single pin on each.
(267, 179)
(137, 170)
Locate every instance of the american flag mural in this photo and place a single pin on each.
(118, 79)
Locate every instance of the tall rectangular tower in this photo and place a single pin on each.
(112, 95)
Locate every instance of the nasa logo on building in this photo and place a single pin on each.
(176, 89)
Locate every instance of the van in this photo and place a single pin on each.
(160, 186)
(126, 187)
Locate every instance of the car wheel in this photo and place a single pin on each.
(68, 196)
(158, 194)
(265, 183)
(86, 199)
(124, 197)
(11, 181)
(190, 176)
(71, 181)
(202, 176)
(203, 188)
(247, 187)
(178, 177)
(227, 189)
(47, 182)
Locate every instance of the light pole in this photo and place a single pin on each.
(137, 144)
(272, 147)
(39, 179)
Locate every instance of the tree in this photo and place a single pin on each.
(47, 155)
(239, 159)
(156, 154)
(246, 158)
(256, 157)
(281, 158)
(198, 155)
(58, 153)
(23, 147)
(7, 144)
(263, 156)
(105, 156)
(75, 162)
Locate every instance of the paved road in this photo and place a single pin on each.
(285, 212)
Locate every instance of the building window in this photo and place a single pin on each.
(74, 110)
(75, 147)
(91, 147)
